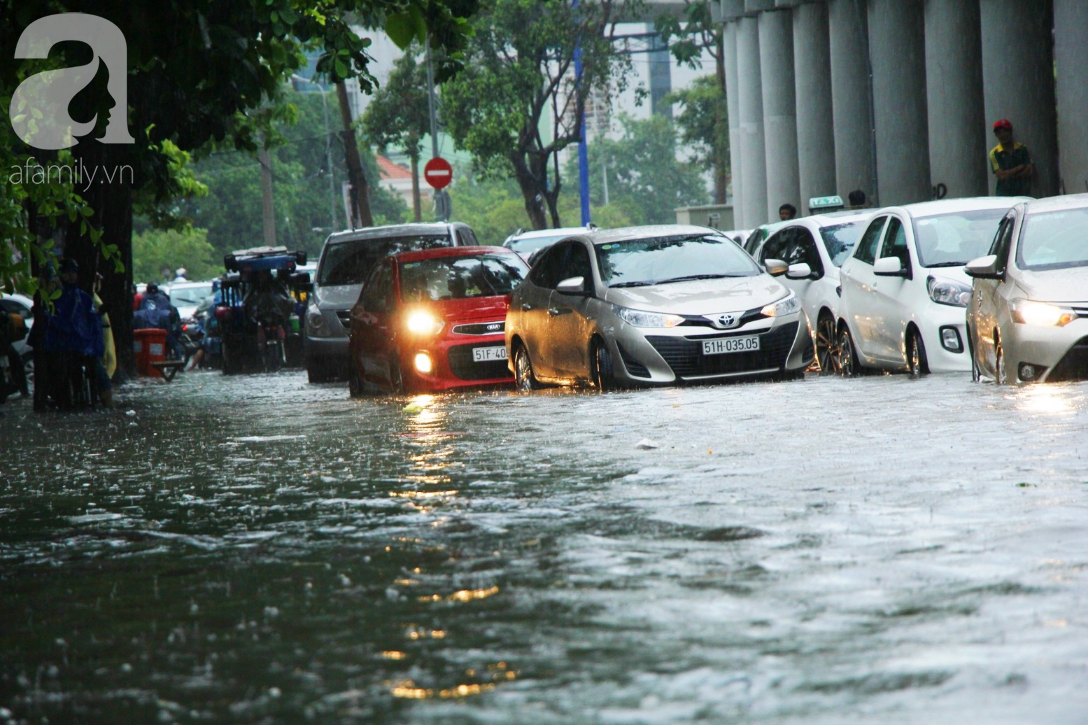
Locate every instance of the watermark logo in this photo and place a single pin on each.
(39, 106)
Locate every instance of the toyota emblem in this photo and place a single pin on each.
(727, 320)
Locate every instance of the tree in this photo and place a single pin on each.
(520, 69)
(399, 115)
(689, 35)
(645, 179)
(158, 249)
(704, 128)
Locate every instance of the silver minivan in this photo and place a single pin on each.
(346, 259)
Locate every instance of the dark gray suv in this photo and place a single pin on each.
(346, 259)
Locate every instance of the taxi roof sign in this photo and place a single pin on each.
(825, 203)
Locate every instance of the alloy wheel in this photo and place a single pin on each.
(523, 370)
(917, 362)
(603, 372)
(826, 348)
(1002, 373)
(847, 359)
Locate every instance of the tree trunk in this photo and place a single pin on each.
(531, 190)
(360, 192)
(721, 124)
(417, 210)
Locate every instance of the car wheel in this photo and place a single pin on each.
(976, 371)
(999, 364)
(396, 378)
(917, 362)
(28, 367)
(600, 359)
(524, 378)
(848, 363)
(355, 383)
(826, 349)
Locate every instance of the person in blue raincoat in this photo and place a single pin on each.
(73, 334)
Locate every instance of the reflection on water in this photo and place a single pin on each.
(257, 549)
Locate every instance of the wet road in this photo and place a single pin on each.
(260, 550)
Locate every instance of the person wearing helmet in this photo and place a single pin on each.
(179, 275)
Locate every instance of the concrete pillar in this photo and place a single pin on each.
(812, 75)
(660, 63)
(897, 53)
(753, 160)
(957, 137)
(850, 100)
(732, 98)
(754, 6)
(1071, 58)
(779, 109)
(1018, 82)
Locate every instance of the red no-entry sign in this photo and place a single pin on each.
(438, 173)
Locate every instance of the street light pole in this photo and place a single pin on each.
(583, 153)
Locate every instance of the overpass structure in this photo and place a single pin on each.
(898, 97)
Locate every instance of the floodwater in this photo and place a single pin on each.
(259, 550)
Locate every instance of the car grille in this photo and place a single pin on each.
(481, 328)
(345, 318)
(1074, 365)
(634, 367)
(685, 354)
(463, 366)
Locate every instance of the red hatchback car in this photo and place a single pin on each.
(434, 320)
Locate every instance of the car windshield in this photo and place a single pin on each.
(189, 296)
(349, 262)
(661, 260)
(953, 240)
(1054, 240)
(530, 245)
(455, 278)
(839, 240)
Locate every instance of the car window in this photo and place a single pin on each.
(378, 292)
(806, 251)
(866, 250)
(462, 277)
(751, 244)
(1003, 242)
(663, 260)
(548, 268)
(576, 263)
(532, 244)
(954, 239)
(778, 246)
(839, 240)
(349, 262)
(895, 243)
(468, 237)
(1054, 240)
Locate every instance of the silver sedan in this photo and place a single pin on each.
(654, 306)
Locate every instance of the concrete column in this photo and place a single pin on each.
(897, 52)
(815, 129)
(753, 160)
(1071, 58)
(850, 100)
(957, 138)
(779, 109)
(754, 6)
(732, 98)
(660, 72)
(1018, 82)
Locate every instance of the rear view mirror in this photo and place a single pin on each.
(889, 267)
(800, 270)
(573, 286)
(775, 267)
(983, 267)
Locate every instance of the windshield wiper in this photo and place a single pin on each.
(944, 264)
(689, 277)
(630, 284)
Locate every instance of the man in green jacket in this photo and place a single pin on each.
(1011, 162)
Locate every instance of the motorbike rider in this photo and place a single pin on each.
(73, 335)
(268, 304)
(156, 311)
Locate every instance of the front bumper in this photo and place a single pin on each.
(1060, 353)
(666, 356)
(941, 359)
(454, 365)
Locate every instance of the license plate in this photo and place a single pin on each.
(747, 343)
(487, 354)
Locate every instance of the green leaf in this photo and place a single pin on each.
(401, 29)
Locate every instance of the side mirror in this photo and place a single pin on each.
(301, 281)
(573, 286)
(889, 267)
(300, 258)
(775, 267)
(800, 270)
(983, 267)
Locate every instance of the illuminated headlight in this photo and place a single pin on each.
(424, 323)
(640, 318)
(423, 362)
(316, 325)
(788, 305)
(947, 292)
(1044, 314)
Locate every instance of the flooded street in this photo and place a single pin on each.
(260, 550)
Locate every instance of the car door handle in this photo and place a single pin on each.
(554, 311)
(525, 307)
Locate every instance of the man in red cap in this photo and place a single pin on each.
(1011, 162)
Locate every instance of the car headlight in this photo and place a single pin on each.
(1030, 312)
(421, 322)
(641, 318)
(316, 325)
(785, 306)
(947, 292)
